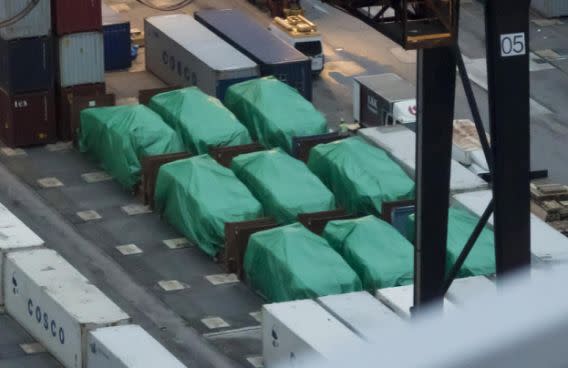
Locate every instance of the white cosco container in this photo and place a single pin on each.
(81, 59)
(14, 236)
(401, 299)
(295, 334)
(400, 143)
(547, 243)
(36, 24)
(127, 347)
(182, 52)
(56, 304)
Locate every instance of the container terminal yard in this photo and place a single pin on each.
(223, 183)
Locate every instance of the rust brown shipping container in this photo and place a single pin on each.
(27, 119)
(75, 16)
(65, 98)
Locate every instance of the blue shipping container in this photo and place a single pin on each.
(26, 65)
(274, 56)
(116, 31)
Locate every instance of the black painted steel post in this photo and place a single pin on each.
(507, 40)
(435, 97)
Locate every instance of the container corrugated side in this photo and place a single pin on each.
(35, 24)
(127, 347)
(56, 304)
(182, 52)
(117, 45)
(76, 16)
(81, 59)
(551, 8)
(14, 236)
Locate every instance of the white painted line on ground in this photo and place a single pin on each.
(176, 243)
(136, 209)
(89, 215)
(257, 316)
(215, 322)
(58, 147)
(95, 177)
(172, 285)
(13, 152)
(33, 348)
(129, 249)
(256, 361)
(49, 183)
(222, 278)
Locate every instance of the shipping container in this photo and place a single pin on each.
(401, 298)
(81, 59)
(361, 313)
(400, 143)
(27, 119)
(127, 347)
(26, 64)
(76, 16)
(463, 291)
(56, 304)
(383, 99)
(547, 243)
(116, 31)
(274, 56)
(14, 236)
(551, 8)
(65, 98)
(36, 23)
(182, 52)
(294, 333)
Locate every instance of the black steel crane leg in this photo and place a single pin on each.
(507, 40)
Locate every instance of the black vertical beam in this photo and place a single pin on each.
(507, 40)
(435, 97)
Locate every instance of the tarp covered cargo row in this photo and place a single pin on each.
(274, 112)
(119, 137)
(284, 185)
(361, 176)
(198, 196)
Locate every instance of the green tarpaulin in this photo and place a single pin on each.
(119, 137)
(380, 255)
(291, 262)
(200, 120)
(274, 112)
(361, 176)
(198, 196)
(481, 259)
(284, 185)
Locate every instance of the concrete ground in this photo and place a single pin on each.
(206, 312)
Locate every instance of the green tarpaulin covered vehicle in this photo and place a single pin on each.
(274, 112)
(380, 255)
(119, 137)
(291, 262)
(200, 120)
(198, 196)
(284, 185)
(481, 259)
(361, 176)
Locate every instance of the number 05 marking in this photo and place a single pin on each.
(513, 44)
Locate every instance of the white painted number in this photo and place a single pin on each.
(513, 44)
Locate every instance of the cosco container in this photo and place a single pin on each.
(401, 298)
(76, 16)
(295, 333)
(27, 119)
(127, 347)
(182, 52)
(14, 236)
(26, 64)
(274, 56)
(56, 304)
(551, 8)
(81, 59)
(36, 23)
(116, 31)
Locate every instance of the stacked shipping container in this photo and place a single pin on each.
(80, 55)
(26, 76)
